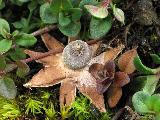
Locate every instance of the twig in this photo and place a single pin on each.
(44, 30)
(51, 52)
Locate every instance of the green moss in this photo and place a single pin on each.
(9, 109)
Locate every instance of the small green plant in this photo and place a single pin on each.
(145, 101)
(67, 16)
(33, 106)
(50, 112)
(81, 108)
(25, 24)
(11, 50)
(8, 109)
(65, 112)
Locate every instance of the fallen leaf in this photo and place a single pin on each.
(51, 42)
(7, 88)
(125, 61)
(121, 79)
(114, 95)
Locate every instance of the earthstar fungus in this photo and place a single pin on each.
(56, 71)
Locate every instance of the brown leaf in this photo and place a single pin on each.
(114, 95)
(46, 77)
(67, 92)
(50, 42)
(121, 79)
(96, 98)
(112, 53)
(125, 62)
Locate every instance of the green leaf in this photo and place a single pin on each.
(25, 40)
(2, 4)
(18, 24)
(142, 68)
(4, 27)
(151, 83)
(87, 2)
(23, 0)
(153, 103)
(119, 14)
(32, 5)
(61, 5)
(17, 54)
(15, 33)
(63, 21)
(7, 88)
(71, 30)
(157, 117)
(138, 101)
(99, 27)
(5, 45)
(75, 13)
(22, 70)
(66, 4)
(47, 15)
(155, 58)
(2, 62)
(98, 12)
(17, 2)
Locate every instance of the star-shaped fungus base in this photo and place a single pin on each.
(55, 72)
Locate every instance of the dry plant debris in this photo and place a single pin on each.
(108, 79)
(55, 71)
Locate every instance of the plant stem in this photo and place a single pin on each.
(44, 30)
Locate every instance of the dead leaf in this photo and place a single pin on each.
(114, 95)
(50, 42)
(125, 61)
(121, 79)
(112, 53)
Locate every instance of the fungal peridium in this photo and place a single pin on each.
(76, 54)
